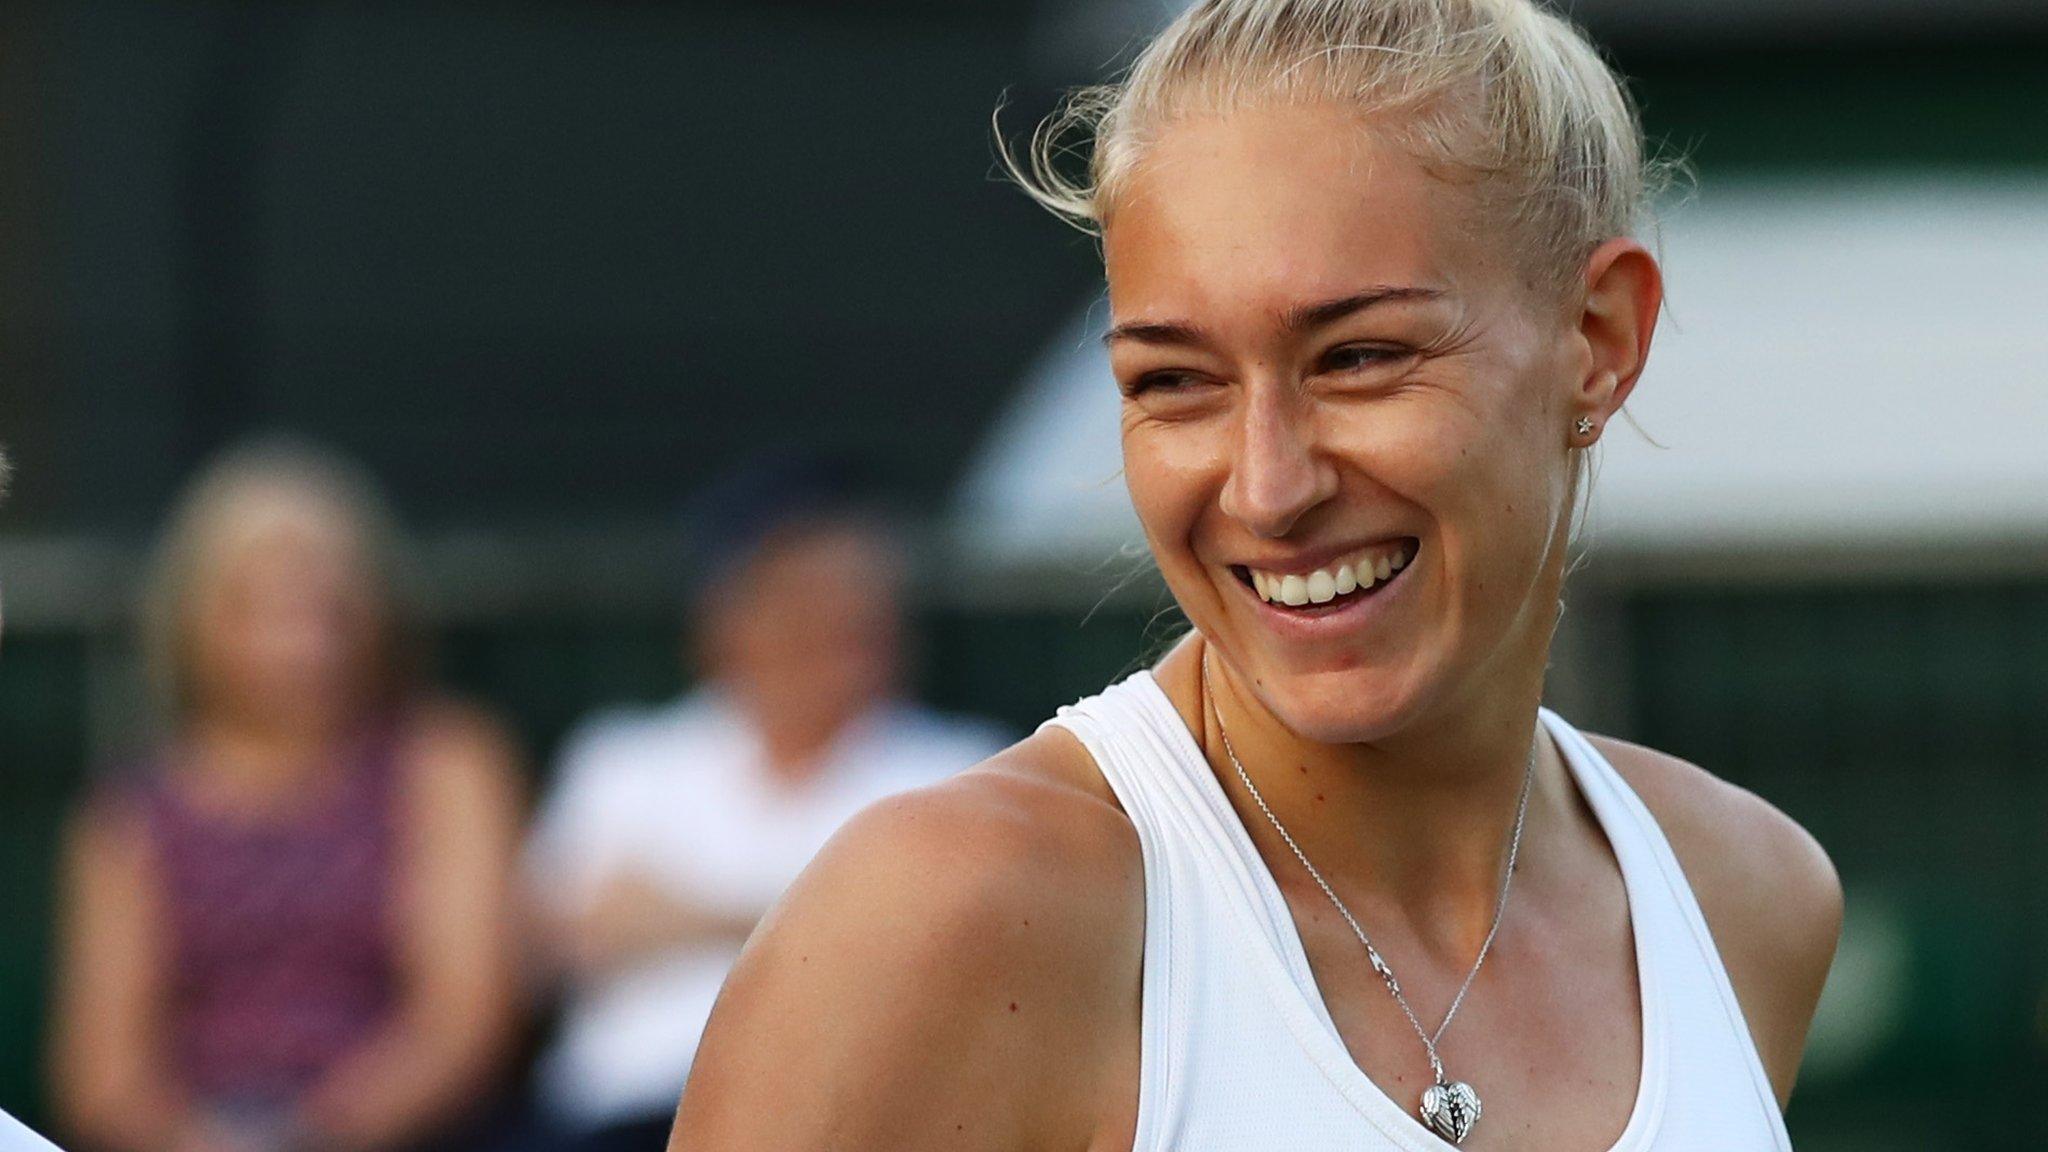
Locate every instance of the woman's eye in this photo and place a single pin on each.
(1351, 357)
(1160, 381)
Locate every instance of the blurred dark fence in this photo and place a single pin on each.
(527, 261)
(1907, 729)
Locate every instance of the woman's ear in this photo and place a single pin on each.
(1624, 294)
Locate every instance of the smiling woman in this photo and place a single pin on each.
(1374, 297)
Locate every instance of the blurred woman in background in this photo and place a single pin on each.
(289, 926)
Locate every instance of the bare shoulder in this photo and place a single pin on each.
(954, 970)
(448, 727)
(1767, 888)
(1023, 830)
(106, 849)
(457, 756)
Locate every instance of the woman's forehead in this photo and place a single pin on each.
(1266, 208)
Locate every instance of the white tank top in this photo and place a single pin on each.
(1238, 1049)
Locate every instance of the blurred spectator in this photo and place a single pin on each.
(289, 926)
(672, 830)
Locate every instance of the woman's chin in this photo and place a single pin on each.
(1351, 707)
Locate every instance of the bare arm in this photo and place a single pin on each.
(959, 970)
(109, 1079)
(1769, 893)
(461, 1000)
(630, 918)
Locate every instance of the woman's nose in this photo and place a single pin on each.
(1277, 474)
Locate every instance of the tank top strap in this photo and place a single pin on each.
(1144, 750)
(1677, 958)
(1638, 843)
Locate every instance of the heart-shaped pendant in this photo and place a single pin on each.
(1451, 1109)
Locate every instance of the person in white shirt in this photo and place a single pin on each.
(671, 830)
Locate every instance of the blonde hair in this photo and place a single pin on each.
(276, 480)
(1504, 90)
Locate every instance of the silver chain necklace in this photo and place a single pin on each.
(1450, 1107)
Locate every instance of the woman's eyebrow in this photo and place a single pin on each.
(1300, 318)
(1154, 332)
(1307, 316)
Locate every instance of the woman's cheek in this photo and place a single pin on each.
(1172, 469)
(1419, 458)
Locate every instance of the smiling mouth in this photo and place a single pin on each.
(1356, 576)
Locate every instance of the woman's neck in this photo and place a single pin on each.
(1418, 824)
(251, 766)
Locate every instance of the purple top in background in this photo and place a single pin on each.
(280, 931)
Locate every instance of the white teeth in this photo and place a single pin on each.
(1326, 584)
(1322, 587)
(1293, 591)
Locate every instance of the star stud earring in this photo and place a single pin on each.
(1585, 426)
